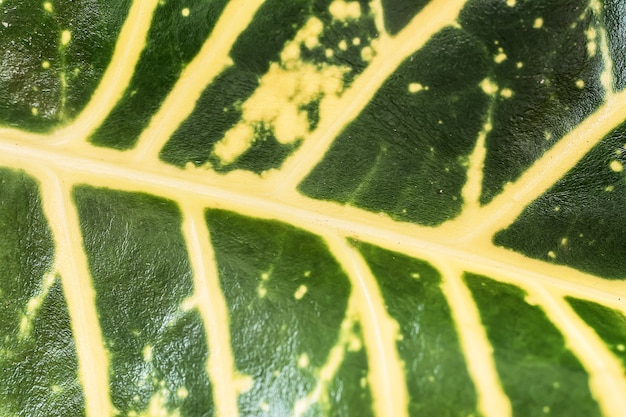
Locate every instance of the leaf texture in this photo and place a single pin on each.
(312, 208)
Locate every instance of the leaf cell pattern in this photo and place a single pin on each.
(312, 208)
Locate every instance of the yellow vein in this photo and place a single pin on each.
(212, 59)
(543, 174)
(473, 186)
(306, 213)
(335, 358)
(606, 375)
(434, 17)
(130, 43)
(380, 331)
(71, 264)
(379, 20)
(492, 401)
(209, 301)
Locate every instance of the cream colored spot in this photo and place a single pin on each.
(415, 87)
(620, 347)
(580, 84)
(329, 53)
(56, 389)
(265, 407)
(354, 344)
(262, 291)
(488, 86)
(343, 45)
(500, 56)
(547, 135)
(265, 276)
(367, 54)
(363, 382)
(616, 166)
(300, 292)
(506, 93)
(34, 111)
(147, 353)
(47, 6)
(519, 65)
(510, 3)
(307, 274)
(303, 361)
(551, 255)
(158, 408)
(66, 37)
(609, 188)
(45, 64)
(356, 41)
(415, 275)
(185, 12)
(234, 143)
(538, 23)
(592, 45)
(182, 393)
(564, 241)
(342, 10)
(546, 409)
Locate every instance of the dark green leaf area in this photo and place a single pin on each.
(349, 393)
(548, 80)
(45, 82)
(581, 221)
(173, 40)
(287, 298)
(609, 324)
(424, 135)
(614, 19)
(398, 13)
(436, 373)
(38, 365)
(538, 372)
(259, 46)
(142, 277)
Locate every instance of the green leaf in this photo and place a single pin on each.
(312, 208)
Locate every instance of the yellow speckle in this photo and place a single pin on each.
(415, 275)
(182, 393)
(47, 6)
(620, 347)
(147, 353)
(488, 86)
(616, 166)
(557, 208)
(367, 54)
(506, 93)
(264, 406)
(303, 361)
(546, 409)
(356, 41)
(500, 56)
(307, 274)
(580, 84)
(363, 382)
(551, 255)
(343, 45)
(234, 143)
(300, 292)
(510, 3)
(564, 241)
(342, 10)
(538, 23)
(185, 12)
(262, 291)
(355, 344)
(66, 37)
(45, 64)
(291, 52)
(415, 87)
(431, 378)
(609, 188)
(329, 53)
(56, 389)
(547, 135)
(556, 385)
(519, 65)
(34, 111)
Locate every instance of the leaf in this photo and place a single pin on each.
(312, 207)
